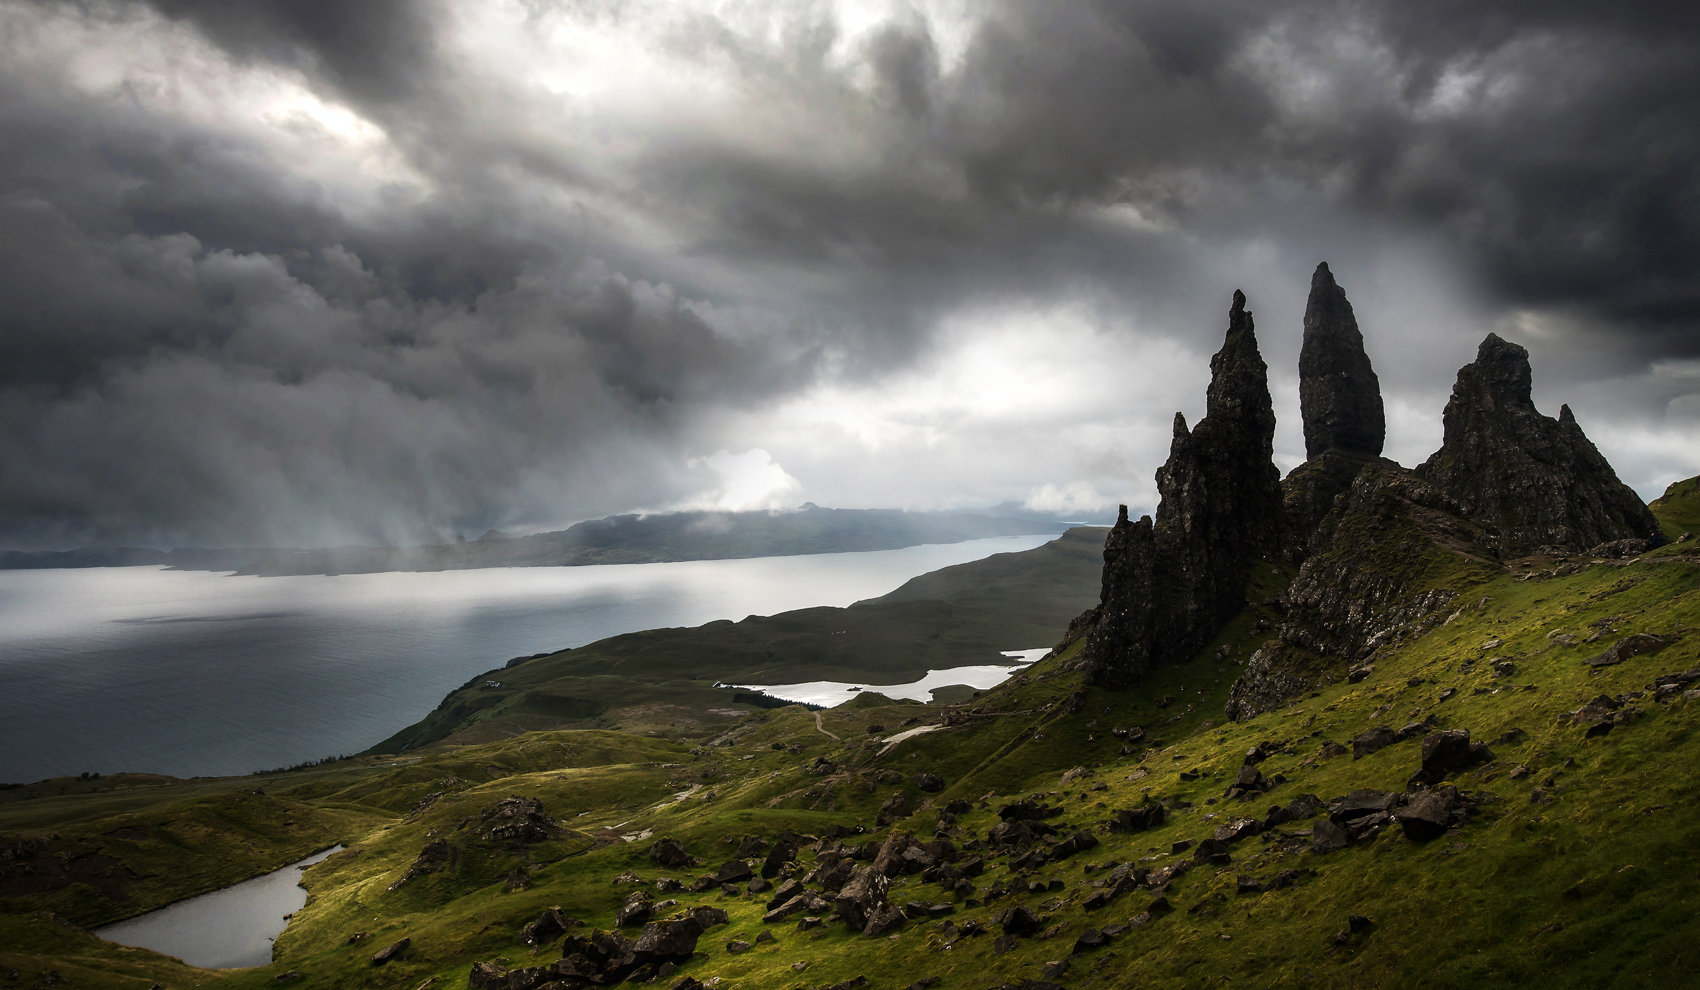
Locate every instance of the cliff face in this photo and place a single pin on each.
(1533, 481)
(1169, 586)
(1387, 561)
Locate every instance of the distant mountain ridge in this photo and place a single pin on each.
(625, 539)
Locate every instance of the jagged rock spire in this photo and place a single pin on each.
(1535, 481)
(1170, 585)
(1339, 393)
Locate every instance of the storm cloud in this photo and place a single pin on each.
(316, 272)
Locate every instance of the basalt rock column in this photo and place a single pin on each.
(1344, 422)
(1121, 638)
(1339, 393)
(1221, 499)
(1220, 512)
(1532, 480)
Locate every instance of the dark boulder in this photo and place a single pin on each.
(1360, 803)
(782, 852)
(1018, 921)
(734, 871)
(1428, 814)
(1446, 752)
(1026, 811)
(882, 919)
(861, 897)
(1373, 740)
(895, 809)
(635, 910)
(673, 941)
(390, 951)
(1137, 819)
(751, 845)
(549, 926)
(1628, 646)
(669, 853)
(1327, 837)
(932, 783)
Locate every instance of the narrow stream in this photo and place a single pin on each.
(226, 928)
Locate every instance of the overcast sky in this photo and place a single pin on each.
(319, 272)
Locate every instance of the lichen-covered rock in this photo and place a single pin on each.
(1339, 393)
(1533, 480)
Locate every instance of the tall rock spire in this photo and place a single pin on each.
(1533, 480)
(1339, 393)
(1220, 512)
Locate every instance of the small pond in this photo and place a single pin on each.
(226, 928)
(831, 693)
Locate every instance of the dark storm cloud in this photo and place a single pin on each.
(204, 342)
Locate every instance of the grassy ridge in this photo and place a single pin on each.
(958, 616)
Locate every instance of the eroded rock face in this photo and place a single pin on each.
(1339, 393)
(1170, 585)
(1535, 481)
(1362, 586)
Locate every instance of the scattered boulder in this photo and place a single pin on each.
(1018, 921)
(1628, 646)
(932, 783)
(1446, 752)
(894, 809)
(882, 919)
(1137, 819)
(549, 926)
(635, 910)
(1373, 740)
(1428, 814)
(1327, 837)
(861, 897)
(670, 853)
(390, 951)
(1360, 803)
(734, 871)
(751, 845)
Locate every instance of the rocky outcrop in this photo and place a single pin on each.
(1339, 393)
(1120, 641)
(518, 821)
(1533, 481)
(1386, 561)
(1170, 585)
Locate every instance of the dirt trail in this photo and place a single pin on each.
(822, 729)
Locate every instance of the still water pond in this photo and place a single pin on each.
(143, 669)
(226, 928)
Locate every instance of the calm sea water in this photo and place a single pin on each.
(188, 672)
(226, 928)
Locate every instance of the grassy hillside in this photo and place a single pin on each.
(1573, 866)
(662, 680)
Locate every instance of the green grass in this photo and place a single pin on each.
(1594, 889)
